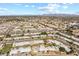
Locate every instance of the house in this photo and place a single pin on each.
(20, 50)
(75, 32)
(1, 45)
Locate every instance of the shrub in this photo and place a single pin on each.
(62, 49)
(1, 39)
(8, 35)
(43, 33)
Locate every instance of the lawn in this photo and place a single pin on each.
(6, 48)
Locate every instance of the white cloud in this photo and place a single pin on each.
(65, 7)
(26, 5)
(33, 6)
(18, 4)
(51, 8)
(3, 9)
(6, 12)
(54, 8)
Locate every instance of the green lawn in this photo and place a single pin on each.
(52, 44)
(6, 48)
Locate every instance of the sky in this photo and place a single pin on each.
(38, 8)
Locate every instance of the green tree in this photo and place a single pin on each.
(62, 49)
(43, 33)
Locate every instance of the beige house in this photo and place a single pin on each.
(75, 32)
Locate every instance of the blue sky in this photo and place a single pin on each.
(37, 8)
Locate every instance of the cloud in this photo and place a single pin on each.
(6, 12)
(65, 7)
(32, 5)
(3, 9)
(22, 5)
(54, 8)
(18, 4)
(26, 5)
(50, 8)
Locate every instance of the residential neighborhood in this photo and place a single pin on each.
(39, 36)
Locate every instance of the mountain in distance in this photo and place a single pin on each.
(60, 14)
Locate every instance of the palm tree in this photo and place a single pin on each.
(28, 31)
(1, 39)
(22, 29)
